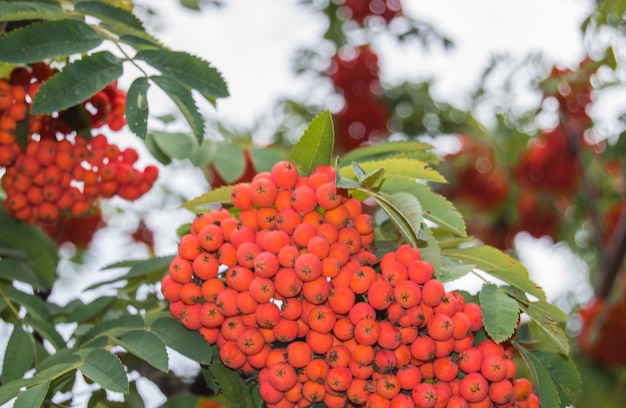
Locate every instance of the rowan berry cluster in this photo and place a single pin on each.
(59, 172)
(291, 290)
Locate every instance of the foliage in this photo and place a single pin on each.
(421, 198)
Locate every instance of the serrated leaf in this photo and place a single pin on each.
(113, 327)
(217, 196)
(232, 385)
(85, 312)
(550, 327)
(184, 100)
(77, 82)
(210, 380)
(19, 354)
(181, 400)
(556, 377)
(264, 158)
(400, 166)
(400, 220)
(436, 207)
(229, 161)
(106, 370)
(431, 252)
(315, 147)
(47, 330)
(18, 270)
(366, 179)
(109, 13)
(173, 145)
(155, 150)
(500, 312)
(189, 343)
(189, 70)
(41, 253)
(137, 109)
(452, 269)
(150, 266)
(499, 265)
(119, 21)
(9, 390)
(146, 346)
(34, 305)
(48, 39)
(33, 396)
(385, 149)
(31, 10)
(140, 42)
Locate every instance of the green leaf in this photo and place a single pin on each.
(146, 267)
(184, 100)
(146, 346)
(264, 158)
(120, 22)
(383, 150)
(10, 390)
(231, 384)
(77, 82)
(431, 251)
(174, 145)
(452, 269)
(404, 211)
(187, 342)
(113, 327)
(31, 10)
(19, 354)
(88, 311)
(315, 147)
(436, 207)
(400, 166)
(18, 270)
(210, 379)
(218, 196)
(105, 369)
(155, 150)
(137, 107)
(33, 396)
(500, 313)
(366, 179)
(499, 265)
(556, 376)
(189, 70)
(550, 327)
(48, 39)
(229, 161)
(34, 247)
(47, 330)
(109, 13)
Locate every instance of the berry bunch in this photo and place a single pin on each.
(51, 178)
(58, 172)
(291, 290)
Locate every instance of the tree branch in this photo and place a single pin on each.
(612, 258)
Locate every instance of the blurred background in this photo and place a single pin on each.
(522, 101)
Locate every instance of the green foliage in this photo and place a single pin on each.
(315, 147)
(137, 109)
(105, 369)
(500, 313)
(35, 43)
(78, 81)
